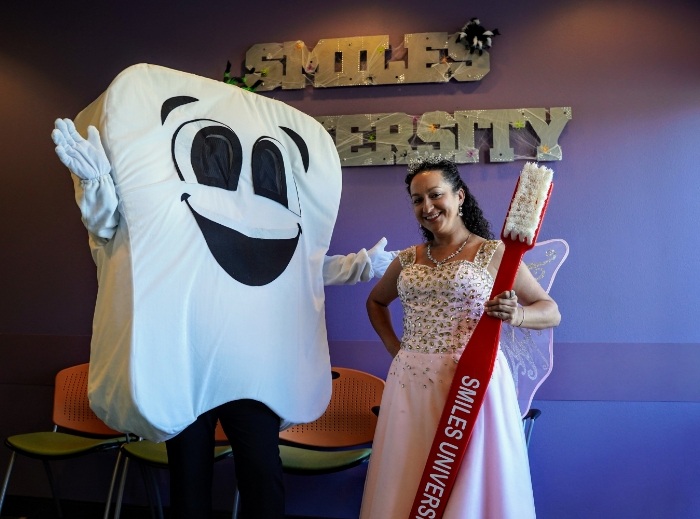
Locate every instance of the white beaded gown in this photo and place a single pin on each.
(441, 308)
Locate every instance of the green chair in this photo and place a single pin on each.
(77, 431)
(152, 455)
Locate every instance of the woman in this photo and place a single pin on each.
(444, 285)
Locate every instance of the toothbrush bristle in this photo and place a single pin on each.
(528, 202)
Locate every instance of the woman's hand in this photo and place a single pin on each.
(505, 307)
(536, 311)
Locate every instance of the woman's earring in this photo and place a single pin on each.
(460, 210)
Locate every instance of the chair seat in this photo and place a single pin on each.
(59, 445)
(156, 454)
(296, 460)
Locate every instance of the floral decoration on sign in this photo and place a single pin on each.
(475, 37)
(240, 81)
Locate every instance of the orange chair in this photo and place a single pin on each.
(349, 420)
(322, 446)
(77, 430)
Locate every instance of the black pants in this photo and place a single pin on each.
(253, 430)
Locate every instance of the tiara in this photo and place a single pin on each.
(420, 161)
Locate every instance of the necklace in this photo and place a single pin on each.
(438, 263)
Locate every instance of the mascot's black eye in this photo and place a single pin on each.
(209, 153)
(269, 175)
(217, 157)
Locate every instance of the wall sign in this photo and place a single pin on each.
(464, 136)
(428, 57)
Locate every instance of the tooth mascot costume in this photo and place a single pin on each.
(210, 211)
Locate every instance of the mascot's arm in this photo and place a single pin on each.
(360, 266)
(95, 193)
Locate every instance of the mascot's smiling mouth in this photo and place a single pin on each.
(251, 261)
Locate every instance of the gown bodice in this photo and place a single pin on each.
(443, 304)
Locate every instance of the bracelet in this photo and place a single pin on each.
(523, 318)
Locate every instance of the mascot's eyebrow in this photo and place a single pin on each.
(303, 149)
(170, 104)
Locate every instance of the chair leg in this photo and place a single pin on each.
(6, 481)
(528, 432)
(236, 504)
(112, 484)
(52, 484)
(529, 423)
(120, 492)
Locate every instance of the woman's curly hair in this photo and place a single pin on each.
(472, 216)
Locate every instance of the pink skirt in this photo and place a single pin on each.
(494, 478)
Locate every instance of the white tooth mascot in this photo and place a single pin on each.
(210, 211)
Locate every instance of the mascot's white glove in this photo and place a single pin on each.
(94, 188)
(360, 266)
(85, 158)
(380, 258)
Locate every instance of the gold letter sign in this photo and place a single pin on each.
(426, 57)
(397, 138)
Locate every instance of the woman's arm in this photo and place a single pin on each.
(537, 311)
(383, 293)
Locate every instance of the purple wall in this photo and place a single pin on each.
(622, 407)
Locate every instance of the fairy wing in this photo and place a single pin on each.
(529, 352)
